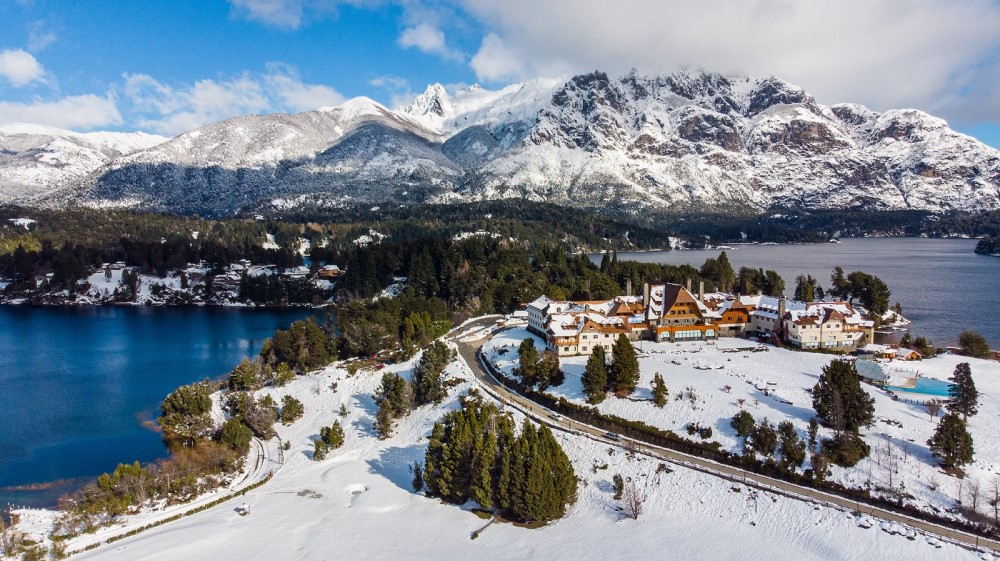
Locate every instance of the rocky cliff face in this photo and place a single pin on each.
(683, 141)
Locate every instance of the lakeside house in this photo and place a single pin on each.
(328, 272)
(672, 312)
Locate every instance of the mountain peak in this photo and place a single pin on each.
(687, 140)
(434, 103)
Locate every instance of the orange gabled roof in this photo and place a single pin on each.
(832, 314)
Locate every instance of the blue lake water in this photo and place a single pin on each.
(80, 386)
(943, 286)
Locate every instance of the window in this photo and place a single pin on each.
(566, 349)
(583, 349)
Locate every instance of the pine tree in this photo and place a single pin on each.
(793, 449)
(527, 364)
(595, 376)
(764, 438)
(952, 442)
(547, 371)
(291, 410)
(964, 398)
(432, 458)
(428, 386)
(839, 286)
(320, 449)
(659, 391)
(744, 424)
(484, 454)
(418, 477)
(333, 435)
(974, 344)
(624, 372)
(473, 453)
(839, 400)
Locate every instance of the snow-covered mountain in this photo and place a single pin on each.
(37, 161)
(687, 140)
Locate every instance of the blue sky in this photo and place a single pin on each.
(168, 66)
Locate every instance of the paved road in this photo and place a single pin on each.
(468, 351)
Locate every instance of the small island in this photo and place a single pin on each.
(989, 245)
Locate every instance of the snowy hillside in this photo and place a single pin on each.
(359, 503)
(37, 161)
(686, 140)
(710, 382)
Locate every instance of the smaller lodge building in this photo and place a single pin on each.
(671, 312)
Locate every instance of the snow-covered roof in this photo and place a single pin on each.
(871, 370)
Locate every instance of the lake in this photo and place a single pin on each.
(942, 285)
(81, 386)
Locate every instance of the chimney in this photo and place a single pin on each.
(701, 291)
(689, 284)
(628, 287)
(645, 295)
(781, 316)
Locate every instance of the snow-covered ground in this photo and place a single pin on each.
(359, 504)
(773, 383)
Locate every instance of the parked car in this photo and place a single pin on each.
(613, 436)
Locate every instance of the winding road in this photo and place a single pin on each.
(469, 353)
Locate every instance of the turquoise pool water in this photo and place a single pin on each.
(926, 386)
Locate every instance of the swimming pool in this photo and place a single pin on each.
(926, 386)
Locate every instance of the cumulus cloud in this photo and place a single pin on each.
(20, 68)
(82, 112)
(296, 96)
(171, 110)
(495, 61)
(885, 53)
(427, 38)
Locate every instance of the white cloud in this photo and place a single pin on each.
(82, 112)
(398, 88)
(172, 110)
(20, 68)
(494, 61)
(285, 82)
(39, 36)
(286, 14)
(291, 14)
(429, 39)
(934, 54)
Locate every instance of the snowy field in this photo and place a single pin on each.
(773, 383)
(359, 504)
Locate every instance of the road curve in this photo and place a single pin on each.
(468, 351)
(262, 461)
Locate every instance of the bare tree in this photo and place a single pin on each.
(633, 500)
(995, 500)
(975, 493)
(933, 407)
